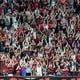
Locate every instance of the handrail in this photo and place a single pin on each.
(40, 76)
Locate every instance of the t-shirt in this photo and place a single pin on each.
(28, 70)
(41, 26)
(7, 20)
(23, 72)
(36, 5)
(53, 3)
(39, 71)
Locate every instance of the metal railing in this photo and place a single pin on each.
(40, 78)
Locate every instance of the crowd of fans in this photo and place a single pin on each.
(39, 37)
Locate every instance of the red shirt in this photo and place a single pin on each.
(10, 70)
(51, 70)
(49, 26)
(20, 31)
(34, 65)
(65, 72)
(41, 26)
(36, 5)
(78, 58)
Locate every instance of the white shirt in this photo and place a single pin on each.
(72, 26)
(5, 1)
(73, 57)
(39, 71)
(46, 27)
(34, 34)
(53, 3)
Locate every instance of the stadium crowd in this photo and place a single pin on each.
(39, 37)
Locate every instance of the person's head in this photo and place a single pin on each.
(39, 64)
(28, 65)
(50, 65)
(44, 63)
